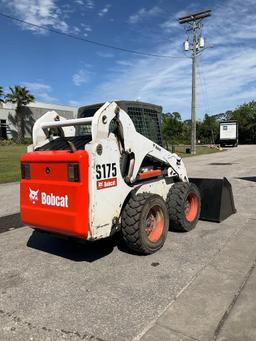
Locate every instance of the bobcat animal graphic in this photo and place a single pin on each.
(33, 195)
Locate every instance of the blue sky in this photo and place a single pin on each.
(66, 71)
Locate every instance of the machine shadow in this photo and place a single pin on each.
(75, 250)
(72, 249)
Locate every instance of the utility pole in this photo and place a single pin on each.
(193, 99)
(194, 24)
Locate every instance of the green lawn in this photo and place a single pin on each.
(200, 150)
(10, 155)
(9, 162)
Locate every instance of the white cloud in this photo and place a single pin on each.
(86, 29)
(45, 97)
(76, 29)
(226, 73)
(39, 12)
(170, 24)
(230, 80)
(81, 77)
(124, 62)
(230, 30)
(89, 4)
(86, 3)
(144, 13)
(41, 91)
(105, 54)
(74, 103)
(37, 86)
(67, 10)
(104, 10)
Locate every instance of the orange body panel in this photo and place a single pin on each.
(48, 201)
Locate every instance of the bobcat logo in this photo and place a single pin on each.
(33, 195)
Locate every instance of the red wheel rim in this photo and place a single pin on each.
(191, 207)
(154, 224)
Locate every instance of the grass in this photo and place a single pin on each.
(10, 162)
(10, 155)
(200, 150)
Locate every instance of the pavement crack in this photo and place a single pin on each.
(82, 336)
(179, 333)
(233, 302)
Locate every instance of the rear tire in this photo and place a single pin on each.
(184, 206)
(145, 223)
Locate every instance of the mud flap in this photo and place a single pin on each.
(217, 198)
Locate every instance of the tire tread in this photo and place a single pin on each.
(175, 205)
(132, 222)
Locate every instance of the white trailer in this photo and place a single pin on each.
(229, 133)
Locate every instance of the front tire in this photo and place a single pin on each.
(184, 206)
(145, 223)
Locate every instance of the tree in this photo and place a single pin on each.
(172, 128)
(186, 132)
(20, 96)
(224, 116)
(1, 94)
(208, 129)
(245, 115)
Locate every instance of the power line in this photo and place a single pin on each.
(72, 36)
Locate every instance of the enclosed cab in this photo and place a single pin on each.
(229, 133)
(146, 117)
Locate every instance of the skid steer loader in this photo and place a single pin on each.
(92, 177)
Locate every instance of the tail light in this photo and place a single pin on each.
(25, 171)
(73, 172)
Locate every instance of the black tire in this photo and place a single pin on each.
(178, 199)
(145, 223)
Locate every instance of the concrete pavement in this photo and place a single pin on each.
(9, 207)
(9, 198)
(195, 288)
(200, 312)
(218, 303)
(240, 324)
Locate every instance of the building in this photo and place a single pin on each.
(32, 112)
(145, 116)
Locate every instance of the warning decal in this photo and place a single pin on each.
(106, 183)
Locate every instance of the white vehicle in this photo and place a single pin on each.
(99, 176)
(229, 133)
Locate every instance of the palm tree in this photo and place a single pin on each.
(1, 93)
(20, 96)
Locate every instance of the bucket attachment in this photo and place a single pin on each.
(217, 201)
